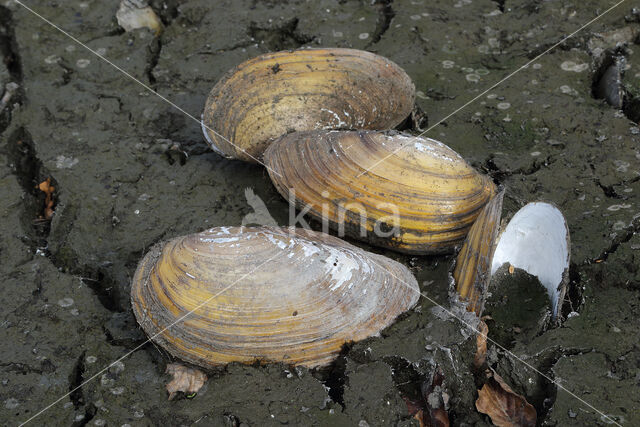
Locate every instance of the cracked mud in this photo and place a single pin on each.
(129, 171)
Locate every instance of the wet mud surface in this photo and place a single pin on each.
(130, 170)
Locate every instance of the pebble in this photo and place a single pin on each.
(52, 59)
(63, 162)
(117, 390)
(116, 367)
(65, 302)
(572, 66)
(11, 403)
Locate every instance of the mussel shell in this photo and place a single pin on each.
(276, 93)
(536, 240)
(473, 264)
(410, 194)
(265, 294)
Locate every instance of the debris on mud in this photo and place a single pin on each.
(48, 189)
(135, 14)
(185, 380)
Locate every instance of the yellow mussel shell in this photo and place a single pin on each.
(265, 294)
(406, 193)
(473, 264)
(277, 93)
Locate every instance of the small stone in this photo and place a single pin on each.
(52, 59)
(117, 390)
(65, 302)
(572, 66)
(11, 403)
(474, 78)
(116, 367)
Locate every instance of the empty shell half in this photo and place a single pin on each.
(406, 193)
(265, 294)
(535, 240)
(277, 93)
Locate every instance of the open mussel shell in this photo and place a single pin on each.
(473, 265)
(536, 240)
(406, 193)
(265, 294)
(277, 93)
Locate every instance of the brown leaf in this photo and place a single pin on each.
(186, 380)
(413, 406)
(505, 407)
(481, 345)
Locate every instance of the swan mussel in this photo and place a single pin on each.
(265, 294)
(535, 240)
(391, 189)
(277, 93)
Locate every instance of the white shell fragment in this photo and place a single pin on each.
(537, 240)
(134, 14)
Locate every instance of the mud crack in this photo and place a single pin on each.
(29, 172)
(281, 37)
(499, 175)
(75, 380)
(627, 234)
(10, 92)
(152, 60)
(500, 4)
(385, 15)
(611, 64)
(8, 45)
(335, 379)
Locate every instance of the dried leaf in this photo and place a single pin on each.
(505, 407)
(481, 345)
(186, 380)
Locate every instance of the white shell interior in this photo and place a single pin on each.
(206, 137)
(537, 241)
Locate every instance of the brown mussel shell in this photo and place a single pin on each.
(265, 294)
(277, 93)
(394, 190)
(473, 263)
